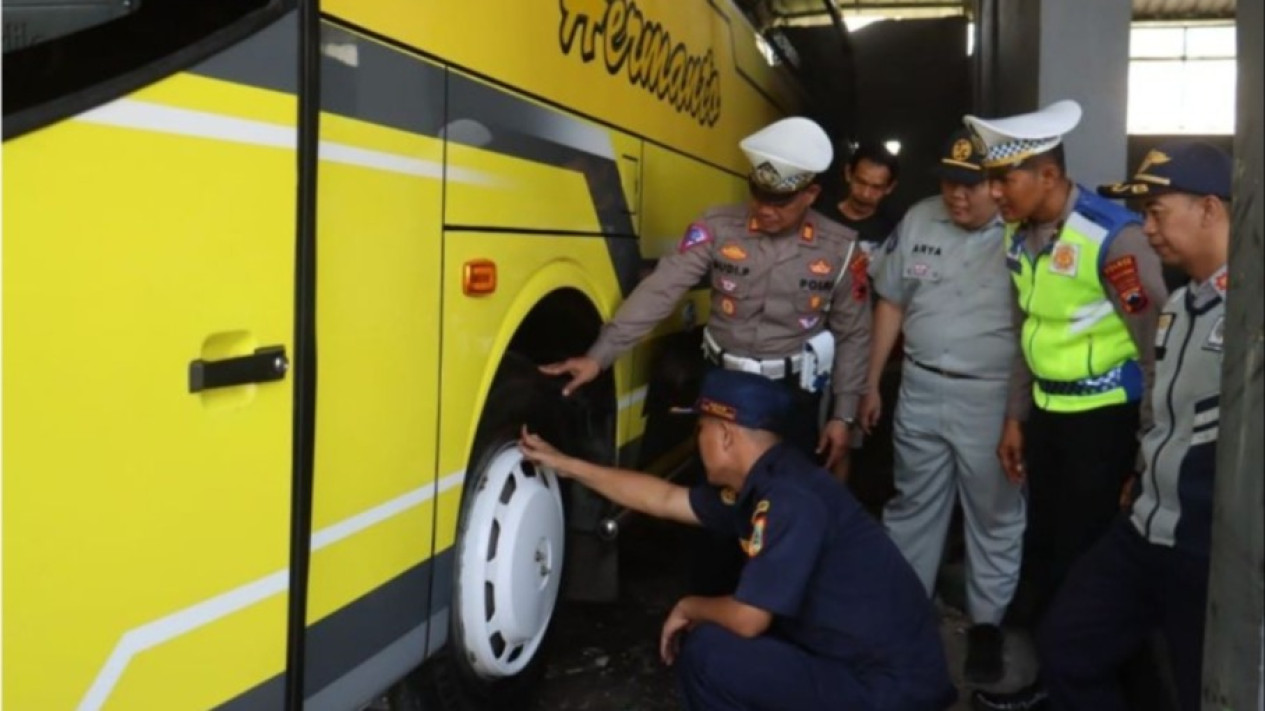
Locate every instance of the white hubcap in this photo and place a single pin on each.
(510, 564)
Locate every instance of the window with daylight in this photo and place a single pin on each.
(1182, 78)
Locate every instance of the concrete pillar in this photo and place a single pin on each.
(1233, 645)
(1034, 52)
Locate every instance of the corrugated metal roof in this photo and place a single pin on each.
(1182, 9)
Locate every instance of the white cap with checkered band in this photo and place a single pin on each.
(1011, 140)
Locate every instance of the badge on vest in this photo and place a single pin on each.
(1065, 258)
(1216, 337)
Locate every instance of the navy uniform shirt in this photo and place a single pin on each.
(834, 582)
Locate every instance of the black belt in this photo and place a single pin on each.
(941, 371)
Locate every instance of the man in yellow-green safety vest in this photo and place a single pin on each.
(1089, 289)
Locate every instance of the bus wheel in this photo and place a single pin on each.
(509, 564)
(509, 555)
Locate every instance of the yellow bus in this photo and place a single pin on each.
(275, 280)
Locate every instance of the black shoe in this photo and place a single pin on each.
(984, 645)
(1029, 698)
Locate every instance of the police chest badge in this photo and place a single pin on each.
(1065, 258)
(1162, 326)
(1216, 337)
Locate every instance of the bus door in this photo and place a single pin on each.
(148, 319)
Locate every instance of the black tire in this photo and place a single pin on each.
(519, 396)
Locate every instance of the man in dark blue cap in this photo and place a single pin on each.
(826, 615)
(1150, 572)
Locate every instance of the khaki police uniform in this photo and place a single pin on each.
(770, 295)
(790, 306)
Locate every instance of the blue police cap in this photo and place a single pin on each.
(1193, 167)
(745, 399)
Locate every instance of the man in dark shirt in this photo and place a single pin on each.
(869, 176)
(827, 613)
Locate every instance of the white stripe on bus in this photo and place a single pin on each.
(164, 629)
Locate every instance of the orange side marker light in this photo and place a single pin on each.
(478, 277)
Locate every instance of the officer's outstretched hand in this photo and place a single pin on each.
(1010, 451)
(670, 637)
(538, 451)
(581, 369)
(833, 441)
(870, 411)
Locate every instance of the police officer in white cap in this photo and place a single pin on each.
(789, 297)
(1089, 290)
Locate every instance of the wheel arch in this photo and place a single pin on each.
(557, 313)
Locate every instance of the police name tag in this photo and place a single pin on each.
(922, 272)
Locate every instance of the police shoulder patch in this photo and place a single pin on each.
(695, 236)
(1122, 274)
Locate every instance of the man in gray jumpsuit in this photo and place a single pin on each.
(789, 296)
(942, 280)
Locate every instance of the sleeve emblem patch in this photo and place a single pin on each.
(1122, 274)
(696, 235)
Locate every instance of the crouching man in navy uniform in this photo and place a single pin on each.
(1150, 572)
(827, 614)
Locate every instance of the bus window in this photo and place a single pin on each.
(61, 58)
(29, 22)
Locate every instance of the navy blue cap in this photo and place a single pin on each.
(961, 161)
(745, 399)
(1193, 167)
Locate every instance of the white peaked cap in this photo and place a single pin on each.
(1010, 140)
(786, 155)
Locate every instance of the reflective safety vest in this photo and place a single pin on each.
(1078, 348)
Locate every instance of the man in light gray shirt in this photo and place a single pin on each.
(943, 282)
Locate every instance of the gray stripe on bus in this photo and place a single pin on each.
(514, 126)
(355, 638)
(360, 78)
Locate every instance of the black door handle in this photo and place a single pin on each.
(264, 365)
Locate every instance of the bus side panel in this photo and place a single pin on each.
(583, 54)
(379, 232)
(145, 525)
(540, 168)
